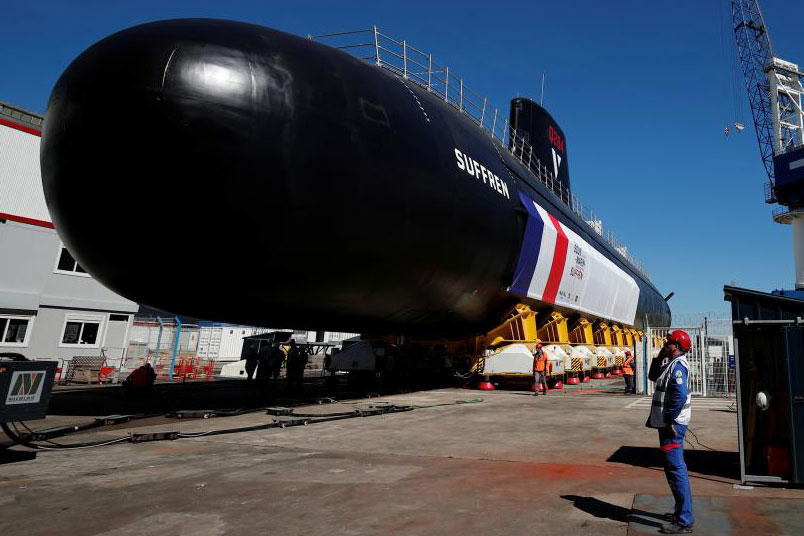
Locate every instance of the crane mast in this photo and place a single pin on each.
(775, 95)
(755, 52)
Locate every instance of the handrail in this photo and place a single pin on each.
(398, 57)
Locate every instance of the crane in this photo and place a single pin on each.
(775, 96)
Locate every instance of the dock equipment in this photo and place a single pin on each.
(25, 388)
(578, 349)
(769, 357)
(775, 95)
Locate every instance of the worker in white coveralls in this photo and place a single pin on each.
(670, 413)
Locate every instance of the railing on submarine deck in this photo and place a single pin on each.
(420, 68)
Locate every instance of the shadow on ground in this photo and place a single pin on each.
(704, 462)
(13, 456)
(605, 510)
(213, 395)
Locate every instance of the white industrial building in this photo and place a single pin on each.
(207, 340)
(49, 307)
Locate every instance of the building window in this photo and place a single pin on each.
(81, 331)
(14, 330)
(118, 318)
(68, 265)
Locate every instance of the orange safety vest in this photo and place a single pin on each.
(539, 362)
(627, 365)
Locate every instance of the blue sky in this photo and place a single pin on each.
(643, 91)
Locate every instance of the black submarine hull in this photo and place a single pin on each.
(237, 173)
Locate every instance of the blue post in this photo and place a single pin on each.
(158, 340)
(175, 345)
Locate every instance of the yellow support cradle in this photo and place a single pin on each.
(554, 329)
(602, 333)
(519, 326)
(617, 333)
(628, 337)
(582, 333)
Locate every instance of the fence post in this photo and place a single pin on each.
(446, 84)
(158, 341)
(175, 345)
(505, 131)
(650, 351)
(429, 71)
(460, 102)
(404, 59)
(376, 47)
(483, 112)
(494, 123)
(645, 364)
(702, 339)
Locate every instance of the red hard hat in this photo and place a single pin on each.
(538, 345)
(681, 338)
(628, 352)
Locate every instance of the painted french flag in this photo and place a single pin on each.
(544, 255)
(558, 267)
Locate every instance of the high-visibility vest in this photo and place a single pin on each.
(539, 363)
(627, 365)
(656, 419)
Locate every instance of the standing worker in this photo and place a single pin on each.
(628, 373)
(252, 359)
(264, 360)
(297, 362)
(277, 358)
(539, 369)
(670, 414)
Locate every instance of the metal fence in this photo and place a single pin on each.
(420, 68)
(711, 358)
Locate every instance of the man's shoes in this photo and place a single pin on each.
(675, 528)
(669, 516)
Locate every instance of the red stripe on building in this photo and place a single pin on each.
(29, 221)
(20, 127)
(557, 268)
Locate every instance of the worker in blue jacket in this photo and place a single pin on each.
(670, 413)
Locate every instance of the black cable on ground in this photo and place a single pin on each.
(699, 442)
(26, 442)
(455, 403)
(59, 431)
(297, 420)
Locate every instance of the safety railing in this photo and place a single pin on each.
(420, 68)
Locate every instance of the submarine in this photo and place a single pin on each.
(233, 172)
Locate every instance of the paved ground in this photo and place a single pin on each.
(503, 463)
